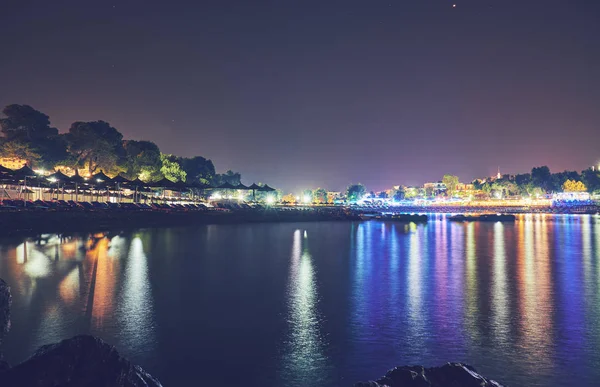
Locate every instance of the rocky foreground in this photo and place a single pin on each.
(76, 362)
(448, 375)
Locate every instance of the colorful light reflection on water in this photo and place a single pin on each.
(321, 303)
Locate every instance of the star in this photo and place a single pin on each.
(453, 5)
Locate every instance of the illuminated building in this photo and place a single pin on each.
(435, 189)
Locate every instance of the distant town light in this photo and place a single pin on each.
(306, 199)
(52, 180)
(270, 199)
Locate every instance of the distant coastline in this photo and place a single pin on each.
(32, 222)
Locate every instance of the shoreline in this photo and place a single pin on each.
(14, 223)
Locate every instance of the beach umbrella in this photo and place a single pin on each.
(254, 187)
(120, 180)
(241, 186)
(163, 183)
(78, 180)
(58, 177)
(100, 178)
(6, 174)
(266, 188)
(138, 185)
(23, 173)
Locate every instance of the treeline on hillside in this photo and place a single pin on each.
(97, 146)
(541, 181)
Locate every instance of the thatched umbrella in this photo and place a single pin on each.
(58, 178)
(101, 180)
(119, 180)
(165, 183)
(254, 187)
(22, 174)
(78, 180)
(5, 170)
(138, 185)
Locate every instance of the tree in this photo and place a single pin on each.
(450, 181)
(142, 160)
(19, 150)
(171, 169)
(542, 178)
(233, 178)
(27, 134)
(529, 190)
(503, 187)
(198, 169)
(96, 146)
(382, 195)
(398, 194)
(574, 186)
(355, 192)
(591, 179)
(319, 195)
(24, 123)
(522, 179)
(559, 179)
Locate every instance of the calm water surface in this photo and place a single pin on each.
(319, 304)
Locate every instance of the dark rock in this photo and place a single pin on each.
(448, 375)
(5, 300)
(79, 361)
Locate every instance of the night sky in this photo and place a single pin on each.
(302, 93)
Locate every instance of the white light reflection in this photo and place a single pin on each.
(304, 352)
(69, 287)
(500, 298)
(22, 251)
(471, 309)
(136, 309)
(586, 242)
(416, 259)
(37, 265)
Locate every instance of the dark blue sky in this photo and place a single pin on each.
(302, 93)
